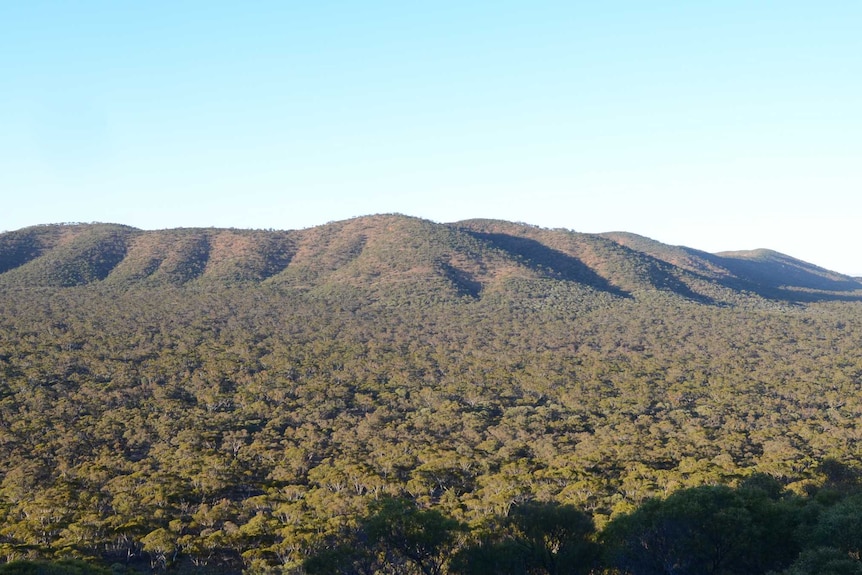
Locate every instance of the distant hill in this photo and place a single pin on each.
(392, 253)
(764, 272)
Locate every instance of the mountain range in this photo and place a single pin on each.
(381, 253)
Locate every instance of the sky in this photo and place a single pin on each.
(716, 125)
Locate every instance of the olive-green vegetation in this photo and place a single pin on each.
(391, 395)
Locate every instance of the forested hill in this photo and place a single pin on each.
(391, 254)
(280, 401)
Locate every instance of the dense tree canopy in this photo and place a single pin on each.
(527, 420)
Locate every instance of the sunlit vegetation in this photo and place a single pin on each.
(391, 395)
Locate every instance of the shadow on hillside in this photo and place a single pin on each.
(548, 261)
(782, 278)
(663, 280)
(806, 296)
(18, 248)
(461, 281)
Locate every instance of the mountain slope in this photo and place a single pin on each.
(765, 272)
(63, 255)
(393, 254)
(182, 255)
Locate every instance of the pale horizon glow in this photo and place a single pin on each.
(718, 126)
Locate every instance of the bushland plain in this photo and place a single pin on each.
(280, 401)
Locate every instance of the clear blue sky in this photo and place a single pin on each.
(717, 125)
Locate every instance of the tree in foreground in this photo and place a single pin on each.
(536, 538)
(705, 530)
(397, 537)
